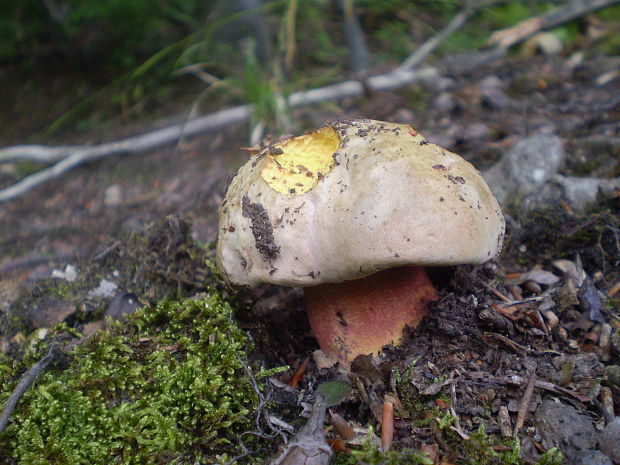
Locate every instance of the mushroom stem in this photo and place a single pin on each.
(361, 316)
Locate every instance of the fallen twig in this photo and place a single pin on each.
(506, 38)
(547, 386)
(517, 348)
(524, 406)
(457, 428)
(457, 22)
(431, 44)
(108, 250)
(40, 153)
(27, 379)
(496, 293)
(299, 373)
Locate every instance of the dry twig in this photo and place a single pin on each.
(517, 348)
(525, 402)
(27, 379)
(299, 373)
(553, 18)
(427, 47)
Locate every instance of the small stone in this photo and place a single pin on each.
(492, 93)
(580, 192)
(121, 305)
(50, 312)
(612, 372)
(564, 427)
(590, 457)
(112, 196)
(609, 440)
(522, 170)
(444, 103)
(69, 273)
(475, 131)
(106, 289)
(615, 340)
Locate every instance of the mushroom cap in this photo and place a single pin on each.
(350, 199)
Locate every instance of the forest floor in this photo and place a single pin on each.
(521, 317)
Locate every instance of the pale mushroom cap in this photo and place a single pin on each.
(383, 197)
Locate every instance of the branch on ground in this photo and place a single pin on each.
(506, 38)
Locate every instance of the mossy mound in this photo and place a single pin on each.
(166, 386)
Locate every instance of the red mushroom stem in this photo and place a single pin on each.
(361, 316)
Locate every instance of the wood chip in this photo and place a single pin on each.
(505, 424)
(342, 427)
(607, 402)
(613, 290)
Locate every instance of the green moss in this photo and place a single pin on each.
(369, 454)
(421, 409)
(482, 449)
(552, 457)
(166, 387)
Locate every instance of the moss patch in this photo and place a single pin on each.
(166, 387)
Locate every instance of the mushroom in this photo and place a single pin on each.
(353, 212)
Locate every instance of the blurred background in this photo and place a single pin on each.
(71, 66)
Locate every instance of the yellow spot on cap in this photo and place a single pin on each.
(303, 162)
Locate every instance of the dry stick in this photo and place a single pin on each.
(299, 373)
(135, 144)
(40, 153)
(457, 22)
(560, 15)
(427, 47)
(27, 379)
(517, 348)
(525, 402)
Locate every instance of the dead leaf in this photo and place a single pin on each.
(546, 278)
(590, 301)
(343, 428)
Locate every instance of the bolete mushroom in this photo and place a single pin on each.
(353, 212)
